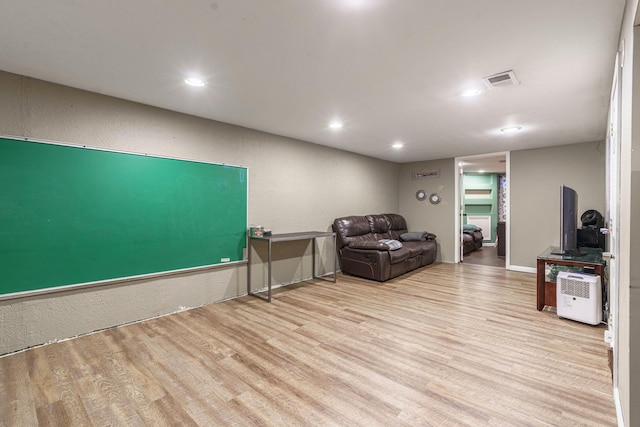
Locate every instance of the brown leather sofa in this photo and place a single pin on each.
(363, 252)
(471, 240)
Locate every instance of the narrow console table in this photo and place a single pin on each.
(546, 290)
(287, 237)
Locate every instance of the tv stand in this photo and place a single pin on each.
(546, 290)
(568, 253)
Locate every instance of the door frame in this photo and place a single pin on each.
(459, 170)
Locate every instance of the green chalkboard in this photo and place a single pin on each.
(72, 215)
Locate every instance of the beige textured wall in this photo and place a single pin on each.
(424, 216)
(293, 186)
(535, 179)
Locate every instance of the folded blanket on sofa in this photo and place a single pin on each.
(393, 244)
(471, 227)
(417, 236)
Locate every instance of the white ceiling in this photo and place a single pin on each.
(484, 163)
(389, 69)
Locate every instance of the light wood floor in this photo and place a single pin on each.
(447, 345)
(486, 255)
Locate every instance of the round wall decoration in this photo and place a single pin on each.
(434, 198)
(421, 195)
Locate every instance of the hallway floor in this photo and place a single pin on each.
(487, 255)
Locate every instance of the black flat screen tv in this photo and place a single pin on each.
(568, 222)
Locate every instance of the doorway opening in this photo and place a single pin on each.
(482, 194)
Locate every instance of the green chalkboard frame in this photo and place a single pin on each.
(75, 216)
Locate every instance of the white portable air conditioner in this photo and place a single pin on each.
(579, 297)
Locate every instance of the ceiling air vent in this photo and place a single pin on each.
(504, 79)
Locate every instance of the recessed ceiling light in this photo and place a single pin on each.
(355, 3)
(511, 129)
(397, 145)
(335, 125)
(472, 92)
(194, 81)
(481, 171)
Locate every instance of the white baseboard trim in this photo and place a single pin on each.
(521, 268)
(489, 244)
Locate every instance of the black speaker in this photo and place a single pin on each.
(590, 238)
(592, 219)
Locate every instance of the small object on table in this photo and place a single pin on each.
(256, 231)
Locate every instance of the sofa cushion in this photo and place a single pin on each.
(349, 228)
(415, 248)
(396, 222)
(429, 246)
(399, 255)
(378, 224)
(397, 225)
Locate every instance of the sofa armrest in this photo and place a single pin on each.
(369, 244)
(369, 263)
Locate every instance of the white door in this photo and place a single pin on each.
(613, 215)
(461, 215)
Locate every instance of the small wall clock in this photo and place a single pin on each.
(434, 198)
(421, 195)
